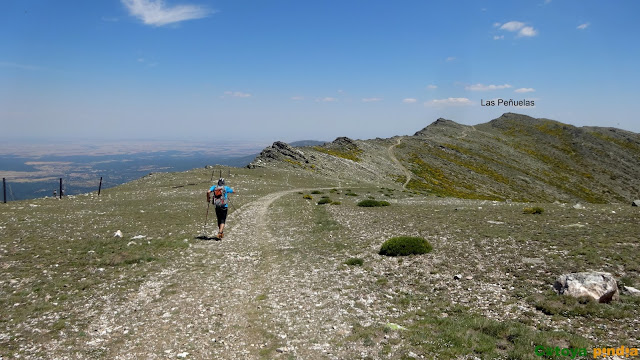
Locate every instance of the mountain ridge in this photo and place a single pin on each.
(514, 156)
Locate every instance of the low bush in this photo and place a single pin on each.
(336, 203)
(308, 197)
(324, 201)
(373, 203)
(405, 245)
(533, 210)
(351, 194)
(317, 192)
(354, 262)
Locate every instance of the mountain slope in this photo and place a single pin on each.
(512, 157)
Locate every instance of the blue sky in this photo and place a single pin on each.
(291, 70)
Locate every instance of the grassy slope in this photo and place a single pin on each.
(513, 157)
(60, 260)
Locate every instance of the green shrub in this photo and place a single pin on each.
(533, 210)
(405, 245)
(354, 262)
(324, 201)
(317, 192)
(372, 203)
(336, 203)
(308, 197)
(351, 194)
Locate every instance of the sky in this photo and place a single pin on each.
(294, 70)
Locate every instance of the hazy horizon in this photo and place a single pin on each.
(260, 72)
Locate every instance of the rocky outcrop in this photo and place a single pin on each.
(277, 152)
(635, 203)
(342, 143)
(439, 123)
(600, 286)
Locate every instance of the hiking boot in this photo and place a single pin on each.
(220, 235)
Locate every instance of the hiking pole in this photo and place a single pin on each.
(206, 217)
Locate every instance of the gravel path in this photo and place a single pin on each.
(407, 173)
(232, 299)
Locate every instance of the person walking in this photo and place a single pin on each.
(221, 201)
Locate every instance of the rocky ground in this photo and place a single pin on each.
(277, 286)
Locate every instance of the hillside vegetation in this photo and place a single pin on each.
(514, 157)
(295, 279)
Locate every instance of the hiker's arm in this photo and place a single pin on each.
(208, 195)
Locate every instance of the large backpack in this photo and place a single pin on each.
(219, 198)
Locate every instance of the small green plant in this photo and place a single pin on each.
(307, 196)
(354, 262)
(405, 245)
(533, 210)
(372, 203)
(336, 203)
(324, 201)
(317, 192)
(351, 194)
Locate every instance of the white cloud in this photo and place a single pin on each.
(157, 13)
(409, 100)
(481, 87)
(512, 26)
(523, 31)
(524, 90)
(450, 58)
(449, 102)
(238, 94)
(528, 31)
(496, 24)
(432, 87)
(327, 99)
(297, 98)
(583, 26)
(496, 37)
(371, 99)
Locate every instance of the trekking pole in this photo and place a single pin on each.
(233, 206)
(206, 217)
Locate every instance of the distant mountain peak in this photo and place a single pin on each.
(439, 123)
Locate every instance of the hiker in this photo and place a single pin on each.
(221, 201)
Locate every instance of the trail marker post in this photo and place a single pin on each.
(100, 186)
(60, 188)
(4, 189)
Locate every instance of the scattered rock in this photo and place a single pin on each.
(118, 234)
(457, 277)
(600, 286)
(182, 355)
(138, 237)
(628, 290)
(635, 203)
(578, 206)
(469, 277)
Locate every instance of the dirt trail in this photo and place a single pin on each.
(212, 301)
(407, 173)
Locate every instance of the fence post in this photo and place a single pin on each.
(4, 189)
(100, 186)
(60, 188)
